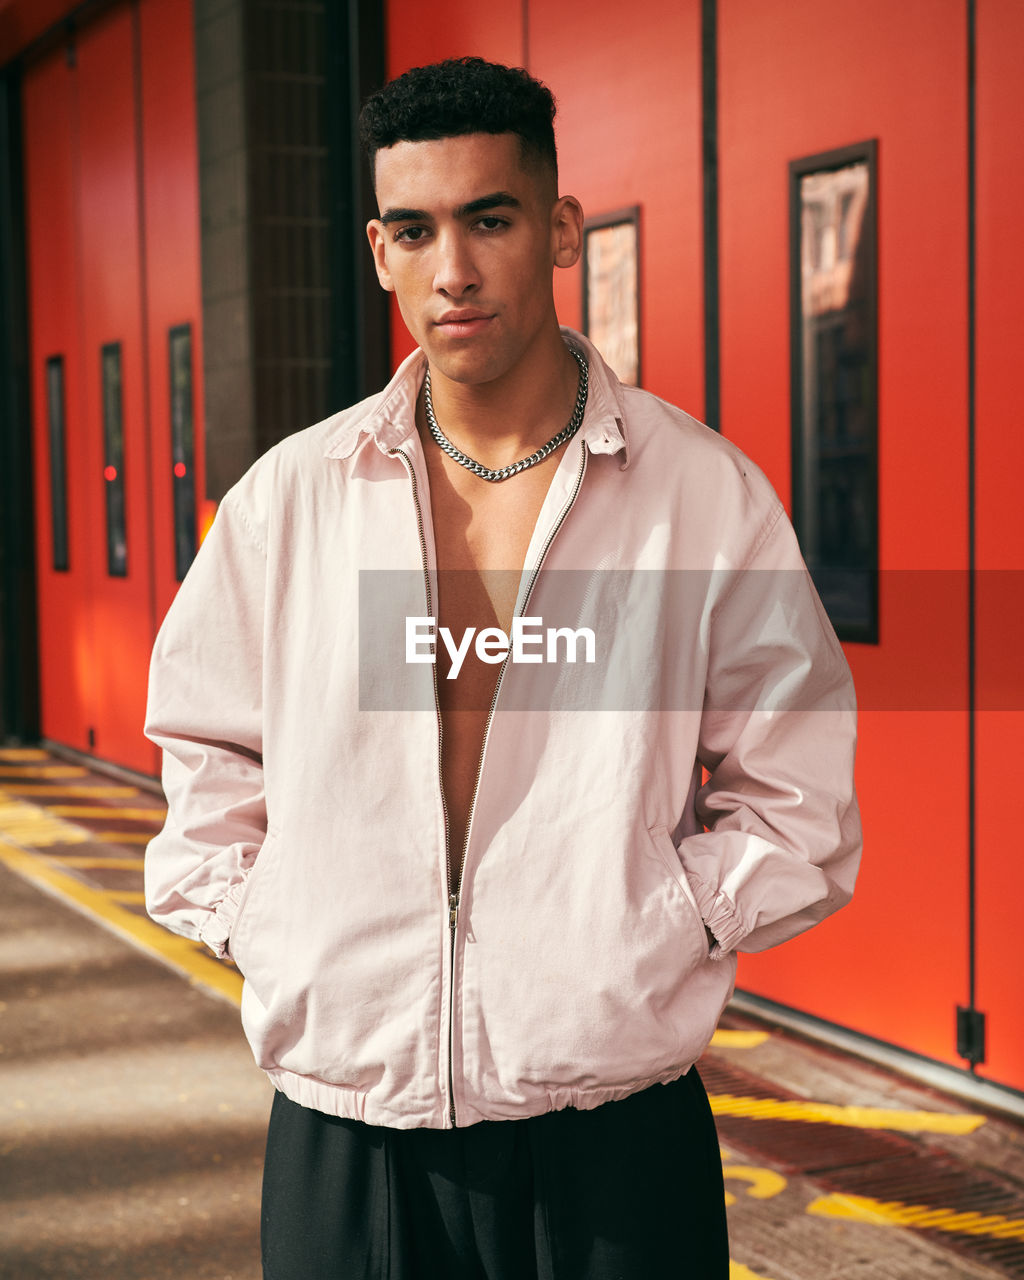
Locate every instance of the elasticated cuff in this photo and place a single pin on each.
(719, 914)
(216, 931)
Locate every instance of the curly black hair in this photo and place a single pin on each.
(460, 96)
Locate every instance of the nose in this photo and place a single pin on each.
(456, 272)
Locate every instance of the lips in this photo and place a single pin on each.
(464, 322)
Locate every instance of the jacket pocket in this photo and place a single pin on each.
(252, 889)
(665, 848)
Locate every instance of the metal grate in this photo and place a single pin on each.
(794, 1146)
(888, 1168)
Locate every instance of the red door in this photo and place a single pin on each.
(113, 278)
(799, 78)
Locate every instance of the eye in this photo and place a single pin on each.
(410, 235)
(491, 222)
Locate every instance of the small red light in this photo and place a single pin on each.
(179, 470)
(110, 473)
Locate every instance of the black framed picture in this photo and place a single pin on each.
(56, 421)
(611, 289)
(834, 380)
(113, 459)
(179, 341)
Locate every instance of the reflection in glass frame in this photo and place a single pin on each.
(834, 380)
(611, 289)
(183, 491)
(113, 460)
(58, 462)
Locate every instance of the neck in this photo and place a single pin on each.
(501, 421)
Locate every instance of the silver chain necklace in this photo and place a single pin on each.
(485, 473)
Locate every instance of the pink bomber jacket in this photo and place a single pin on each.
(692, 767)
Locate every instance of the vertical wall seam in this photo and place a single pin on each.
(709, 170)
(90, 485)
(971, 502)
(145, 518)
(526, 34)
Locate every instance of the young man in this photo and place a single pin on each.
(487, 899)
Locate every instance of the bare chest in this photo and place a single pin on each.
(482, 533)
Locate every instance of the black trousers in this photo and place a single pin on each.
(629, 1191)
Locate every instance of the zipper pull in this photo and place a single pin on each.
(453, 910)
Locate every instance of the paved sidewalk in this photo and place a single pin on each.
(132, 1117)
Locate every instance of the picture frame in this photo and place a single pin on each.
(611, 289)
(833, 255)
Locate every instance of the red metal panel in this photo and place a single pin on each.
(66, 642)
(456, 29)
(22, 21)
(171, 219)
(799, 77)
(610, 155)
(110, 249)
(84, 125)
(1000, 533)
(629, 132)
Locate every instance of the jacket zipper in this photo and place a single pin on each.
(455, 884)
(455, 880)
(453, 898)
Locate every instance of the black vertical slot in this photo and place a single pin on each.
(113, 461)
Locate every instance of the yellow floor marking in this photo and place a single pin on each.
(129, 897)
(87, 793)
(97, 860)
(28, 825)
(725, 1104)
(45, 771)
(764, 1183)
(896, 1213)
(107, 811)
(180, 953)
(737, 1271)
(23, 753)
(122, 837)
(738, 1039)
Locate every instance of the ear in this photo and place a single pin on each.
(378, 245)
(567, 231)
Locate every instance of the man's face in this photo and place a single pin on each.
(467, 239)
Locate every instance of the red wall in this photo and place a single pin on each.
(799, 77)
(111, 298)
(22, 21)
(1000, 532)
(625, 136)
(113, 210)
(54, 287)
(629, 136)
(171, 220)
(112, 204)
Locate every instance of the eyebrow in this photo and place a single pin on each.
(495, 200)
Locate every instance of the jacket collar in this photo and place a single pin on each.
(390, 417)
